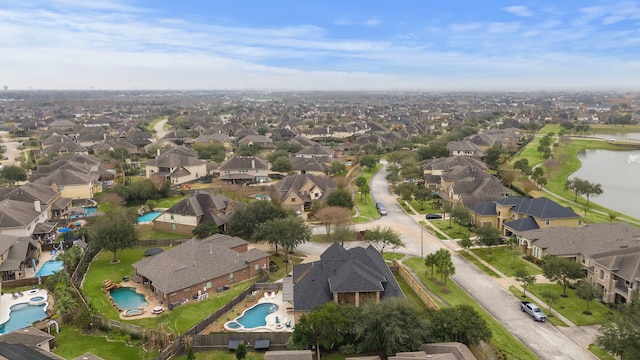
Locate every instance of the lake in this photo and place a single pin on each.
(620, 181)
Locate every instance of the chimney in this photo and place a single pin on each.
(104, 136)
(36, 205)
(54, 187)
(253, 163)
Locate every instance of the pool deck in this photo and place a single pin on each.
(149, 296)
(7, 300)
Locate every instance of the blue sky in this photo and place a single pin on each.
(320, 45)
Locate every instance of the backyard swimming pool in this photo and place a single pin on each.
(87, 212)
(49, 267)
(128, 298)
(253, 317)
(263, 197)
(23, 315)
(148, 217)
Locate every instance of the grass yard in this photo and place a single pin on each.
(166, 203)
(426, 208)
(364, 203)
(550, 317)
(502, 339)
(71, 343)
(601, 354)
(147, 232)
(503, 259)
(572, 307)
(452, 229)
(479, 264)
(432, 231)
(412, 297)
(392, 256)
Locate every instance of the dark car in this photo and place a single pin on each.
(379, 205)
(433, 216)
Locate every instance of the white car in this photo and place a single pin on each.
(611, 139)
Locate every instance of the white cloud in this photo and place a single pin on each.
(374, 21)
(521, 11)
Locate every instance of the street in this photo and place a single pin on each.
(543, 339)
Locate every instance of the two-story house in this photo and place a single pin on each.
(299, 191)
(197, 209)
(514, 214)
(176, 165)
(244, 170)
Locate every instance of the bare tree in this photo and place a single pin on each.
(333, 216)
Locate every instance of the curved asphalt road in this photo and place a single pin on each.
(542, 338)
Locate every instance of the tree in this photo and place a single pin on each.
(70, 258)
(422, 194)
(592, 190)
(344, 233)
(562, 271)
(114, 230)
(526, 279)
(383, 239)
(391, 326)
(465, 243)
(282, 165)
(369, 161)
(620, 335)
(247, 219)
(360, 180)
(326, 321)
(247, 150)
(340, 197)
(364, 190)
(332, 215)
(509, 176)
(336, 167)
(538, 173)
(550, 298)
(445, 267)
(241, 351)
(13, 174)
(461, 215)
(287, 232)
(488, 236)
(588, 291)
(431, 260)
(447, 208)
(612, 215)
(205, 229)
(523, 166)
(492, 156)
(460, 323)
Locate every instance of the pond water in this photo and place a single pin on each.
(620, 180)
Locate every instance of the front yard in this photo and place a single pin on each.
(507, 260)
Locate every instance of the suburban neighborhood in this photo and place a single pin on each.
(171, 218)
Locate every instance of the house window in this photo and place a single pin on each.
(317, 195)
(305, 192)
(171, 216)
(256, 268)
(231, 277)
(601, 274)
(293, 199)
(209, 285)
(173, 227)
(547, 222)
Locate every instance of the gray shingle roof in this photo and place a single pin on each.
(586, 240)
(341, 270)
(542, 208)
(524, 224)
(195, 261)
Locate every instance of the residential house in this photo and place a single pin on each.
(266, 145)
(304, 165)
(17, 254)
(196, 267)
(356, 276)
(608, 252)
(299, 191)
(30, 337)
(176, 165)
(316, 151)
(433, 169)
(465, 148)
(72, 184)
(215, 138)
(244, 170)
(514, 214)
(186, 215)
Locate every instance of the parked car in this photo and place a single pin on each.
(379, 205)
(533, 310)
(433, 216)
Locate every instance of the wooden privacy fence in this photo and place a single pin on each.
(277, 340)
(417, 288)
(139, 331)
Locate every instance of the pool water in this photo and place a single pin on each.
(49, 268)
(128, 298)
(149, 217)
(254, 316)
(88, 212)
(263, 197)
(23, 315)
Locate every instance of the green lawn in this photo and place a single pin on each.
(601, 354)
(479, 264)
(392, 256)
(502, 339)
(432, 231)
(426, 208)
(364, 203)
(179, 320)
(147, 232)
(71, 343)
(503, 259)
(166, 203)
(550, 317)
(572, 307)
(452, 229)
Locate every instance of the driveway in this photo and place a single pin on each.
(542, 338)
